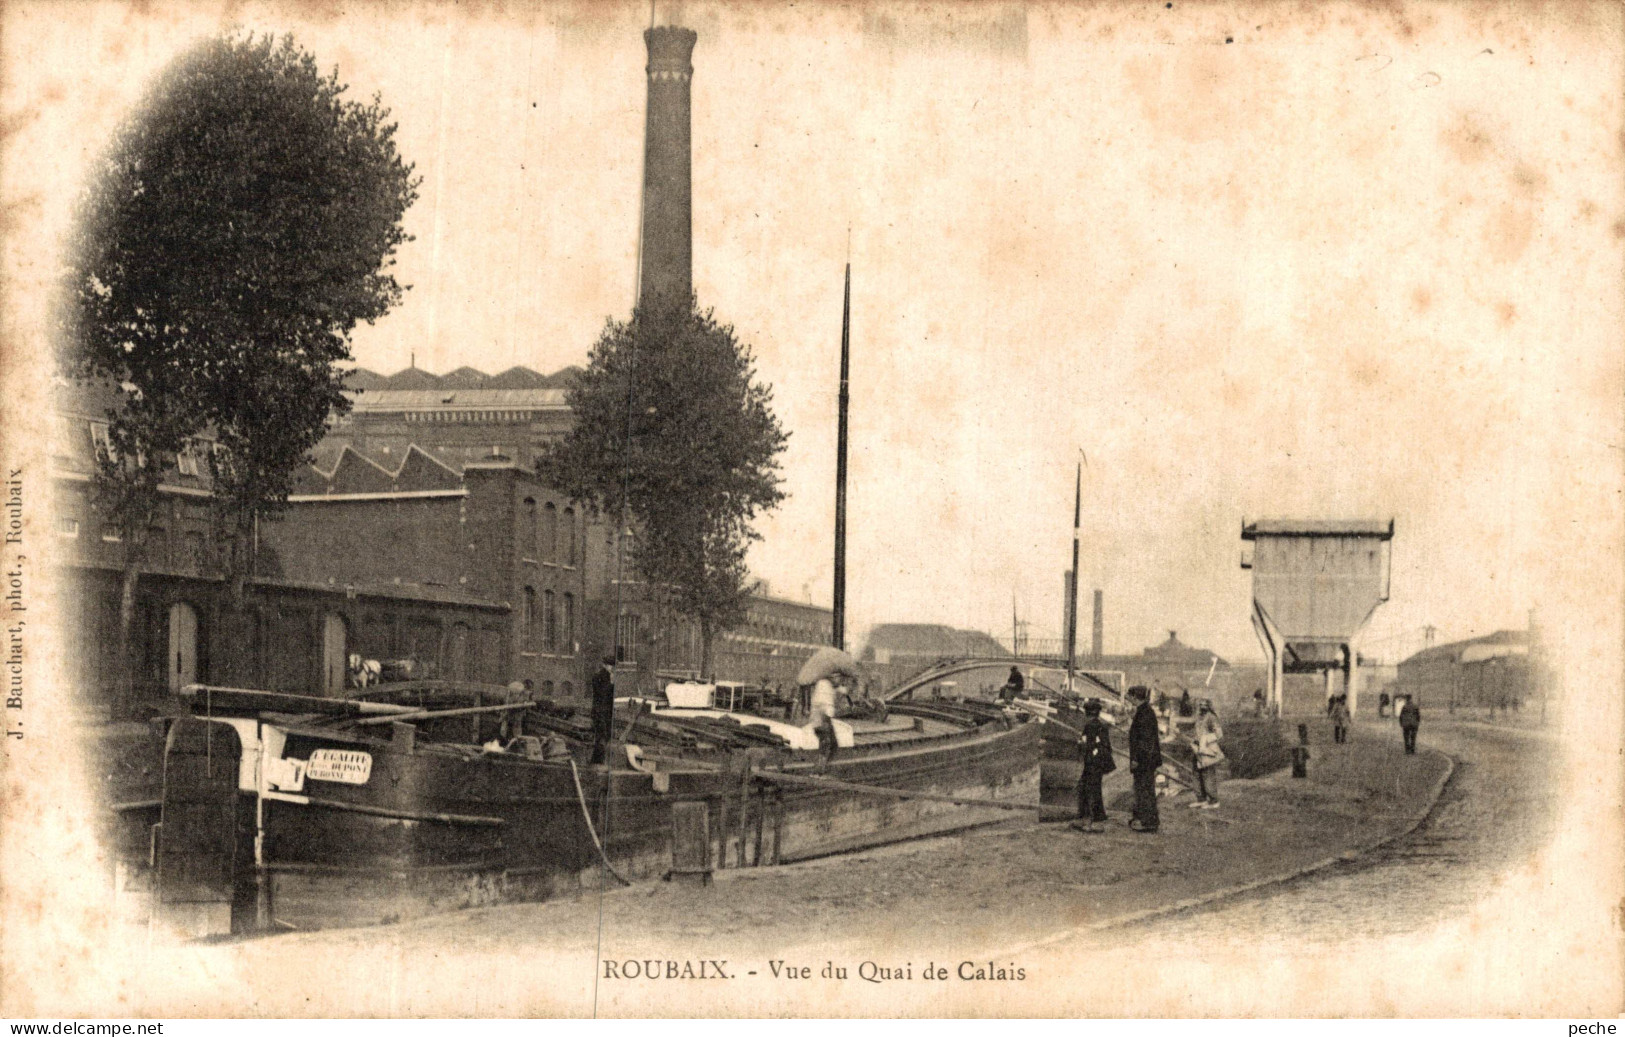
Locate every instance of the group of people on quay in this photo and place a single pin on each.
(1204, 737)
(1145, 760)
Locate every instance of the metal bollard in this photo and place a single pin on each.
(1300, 753)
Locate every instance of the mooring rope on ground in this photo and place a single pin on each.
(586, 815)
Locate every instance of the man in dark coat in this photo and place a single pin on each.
(1144, 757)
(1014, 685)
(603, 708)
(1096, 742)
(1410, 718)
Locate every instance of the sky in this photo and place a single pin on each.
(1251, 261)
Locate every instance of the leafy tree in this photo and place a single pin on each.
(241, 224)
(671, 423)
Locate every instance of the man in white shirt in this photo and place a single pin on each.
(821, 716)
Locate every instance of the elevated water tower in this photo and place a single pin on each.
(1315, 585)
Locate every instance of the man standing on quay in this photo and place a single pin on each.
(1144, 758)
(603, 708)
(1096, 747)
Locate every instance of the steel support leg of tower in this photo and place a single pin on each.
(1351, 677)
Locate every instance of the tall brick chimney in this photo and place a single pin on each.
(666, 268)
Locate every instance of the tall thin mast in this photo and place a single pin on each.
(1015, 625)
(838, 636)
(1072, 584)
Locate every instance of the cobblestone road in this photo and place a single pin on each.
(1496, 810)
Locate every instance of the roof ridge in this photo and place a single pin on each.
(348, 449)
(408, 453)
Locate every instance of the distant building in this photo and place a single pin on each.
(1169, 665)
(179, 540)
(489, 530)
(464, 417)
(421, 532)
(897, 650)
(1478, 673)
(776, 637)
(386, 514)
(1174, 655)
(189, 626)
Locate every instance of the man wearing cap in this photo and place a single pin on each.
(1096, 742)
(1144, 758)
(603, 708)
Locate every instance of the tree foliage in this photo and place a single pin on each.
(240, 226)
(671, 421)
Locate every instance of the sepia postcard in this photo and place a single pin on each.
(724, 509)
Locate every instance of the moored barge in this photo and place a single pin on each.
(290, 812)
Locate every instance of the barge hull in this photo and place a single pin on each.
(432, 830)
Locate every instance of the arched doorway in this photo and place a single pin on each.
(182, 646)
(335, 648)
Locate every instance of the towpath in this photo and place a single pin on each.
(1495, 812)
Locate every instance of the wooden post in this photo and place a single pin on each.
(761, 823)
(722, 833)
(691, 843)
(744, 812)
(778, 822)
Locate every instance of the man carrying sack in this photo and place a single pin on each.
(821, 672)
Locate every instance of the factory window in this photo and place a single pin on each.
(567, 623)
(528, 531)
(550, 526)
(550, 622)
(186, 460)
(527, 619)
(102, 442)
(67, 527)
(569, 536)
(626, 638)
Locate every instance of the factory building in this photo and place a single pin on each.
(1479, 674)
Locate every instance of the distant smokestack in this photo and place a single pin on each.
(1096, 637)
(666, 266)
